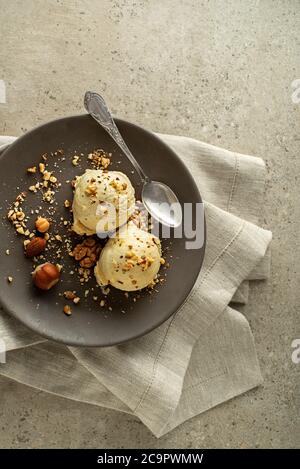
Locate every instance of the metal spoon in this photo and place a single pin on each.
(157, 197)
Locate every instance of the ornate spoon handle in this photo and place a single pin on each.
(97, 108)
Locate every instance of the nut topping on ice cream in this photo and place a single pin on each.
(130, 261)
(103, 201)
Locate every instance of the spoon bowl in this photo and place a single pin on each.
(162, 203)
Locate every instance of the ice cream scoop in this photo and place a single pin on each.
(129, 261)
(103, 201)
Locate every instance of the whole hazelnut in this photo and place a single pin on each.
(35, 246)
(45, 276)
(42, 224)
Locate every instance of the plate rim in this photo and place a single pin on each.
(49, 336)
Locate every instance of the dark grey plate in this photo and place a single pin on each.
(89, 324)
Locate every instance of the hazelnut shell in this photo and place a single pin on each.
(35, 247)
(45, 276)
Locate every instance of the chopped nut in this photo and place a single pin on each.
(31, 170)
(32, 189)
(67, 310)
(69, 295)
(21, 230)
(42, 168)
(118, 186)
(89, 242)
(99, 159)
(76, 300)
(48, 196)
(105, 290)
(20, 216)
(91, 190)
(53, 179)
(9, 279)
(46, 175)
(27, 241)
(58, 237)
(88, 262)
(102, 303)
(79, 252)
(162, 261)
(105, 162)
(7, 252)
(75, 160)
(42, 224)
(67, 203)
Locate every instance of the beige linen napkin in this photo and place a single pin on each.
(205, 353)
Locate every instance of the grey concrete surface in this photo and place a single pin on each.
(217, 71)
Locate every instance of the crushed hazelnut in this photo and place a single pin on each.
(91, 190)
(69, 295)
(67, 310)
(31, 170)
(118, 186)
(9, 279)
(42, 167)
(105, 290)
(99, 159)
(75, 160)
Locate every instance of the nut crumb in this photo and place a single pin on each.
(67, 310)
(31, 170)
(75, 160)
(7, 252)
(69, 295)
(9, 279)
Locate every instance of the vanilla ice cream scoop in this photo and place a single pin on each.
(129, 261)
(103, 201)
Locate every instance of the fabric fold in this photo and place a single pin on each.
(205, 353)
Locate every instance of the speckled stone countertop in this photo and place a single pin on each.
(224, 74)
